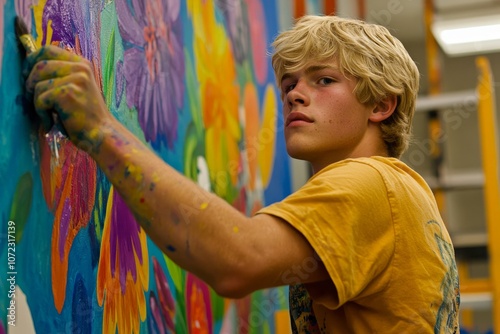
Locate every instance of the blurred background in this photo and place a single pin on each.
(456, 45)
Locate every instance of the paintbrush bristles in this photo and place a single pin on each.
(21, 27)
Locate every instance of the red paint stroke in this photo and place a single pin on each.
(69, 186)
(167, 304)
(199, 310)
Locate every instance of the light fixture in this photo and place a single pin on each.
(468, 36)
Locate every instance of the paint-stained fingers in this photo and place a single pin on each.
(46, 53)
(44, 113)
(44, 102)
(53, 69)
(63, 95)
(70, 90)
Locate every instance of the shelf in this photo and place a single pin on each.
(457, 181)
(479, 239)
(476, 300)
(458, 99)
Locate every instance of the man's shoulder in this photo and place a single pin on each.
(360, 168)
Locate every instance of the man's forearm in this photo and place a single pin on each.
(189, 224)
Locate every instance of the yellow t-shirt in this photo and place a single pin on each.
(375, 225)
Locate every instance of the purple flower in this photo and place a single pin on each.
(153, 64)
(75, 24)
(125, 241)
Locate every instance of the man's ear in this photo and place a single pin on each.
(384, 109)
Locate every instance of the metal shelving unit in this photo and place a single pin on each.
(476, 293)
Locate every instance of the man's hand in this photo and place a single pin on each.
(62, 82)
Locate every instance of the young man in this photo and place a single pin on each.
(362, 244)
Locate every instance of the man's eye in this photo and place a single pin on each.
(326, 81)
(288, 88)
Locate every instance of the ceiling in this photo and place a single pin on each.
(405, 18)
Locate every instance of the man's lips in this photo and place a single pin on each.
(296, 117)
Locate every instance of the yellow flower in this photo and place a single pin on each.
(219, 93)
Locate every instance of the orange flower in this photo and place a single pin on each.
(219, 93)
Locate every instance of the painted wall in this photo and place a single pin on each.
(193, 81)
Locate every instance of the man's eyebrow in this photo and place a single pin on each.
(286, 76)
(316, 68)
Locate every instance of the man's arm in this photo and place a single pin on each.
(199, 231)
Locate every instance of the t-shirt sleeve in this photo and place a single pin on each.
(344, 213)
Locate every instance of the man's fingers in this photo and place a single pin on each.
(46, 53)
(43, 94)
(47, 94)
(52, 69)
(44, 107)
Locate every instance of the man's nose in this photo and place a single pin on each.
(299, 94)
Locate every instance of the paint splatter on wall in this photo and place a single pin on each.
(192, 80)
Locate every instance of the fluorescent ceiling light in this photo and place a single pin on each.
(468, 36)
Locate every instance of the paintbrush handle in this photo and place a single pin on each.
(28, 43)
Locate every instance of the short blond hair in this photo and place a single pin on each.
(369, 52)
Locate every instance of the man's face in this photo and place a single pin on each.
(324, 122)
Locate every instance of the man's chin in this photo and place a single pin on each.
(297, 154)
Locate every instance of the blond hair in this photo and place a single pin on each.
(369, 52)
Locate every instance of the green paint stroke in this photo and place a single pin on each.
(21, 204)
(193, 148)
(193, 96)
(109, 70)
(98, 208)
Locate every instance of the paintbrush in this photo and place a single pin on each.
(56, 133)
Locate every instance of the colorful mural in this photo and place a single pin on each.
(191, 79)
